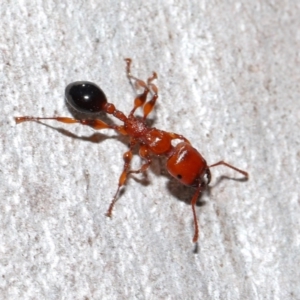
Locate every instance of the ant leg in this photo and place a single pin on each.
(96, 124)
(123, 177)
(193, 203)
(230, 166)
(141, 98)
(144, 154)
(154, 90)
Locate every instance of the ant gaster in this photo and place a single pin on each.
(184, 162)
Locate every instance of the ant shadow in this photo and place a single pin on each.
(93, 138)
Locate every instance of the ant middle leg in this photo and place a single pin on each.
(127, 157)
(144, 154)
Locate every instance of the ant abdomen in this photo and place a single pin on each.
(85, 96)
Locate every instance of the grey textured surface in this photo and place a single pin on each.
(229, 81)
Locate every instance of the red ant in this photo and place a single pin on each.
(184, 162)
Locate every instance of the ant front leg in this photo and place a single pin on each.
(127, 157)
(193, 203)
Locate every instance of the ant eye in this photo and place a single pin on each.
(85, 96)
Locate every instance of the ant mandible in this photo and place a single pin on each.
(184, 162)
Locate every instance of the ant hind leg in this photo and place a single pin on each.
(94, 123)
(148, 107)
(141, 99)
(138, 83)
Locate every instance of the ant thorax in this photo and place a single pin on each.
(135, 127)
(157, 140)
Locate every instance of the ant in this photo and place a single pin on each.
(184, 162)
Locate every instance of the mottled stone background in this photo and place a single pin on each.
(229, 74)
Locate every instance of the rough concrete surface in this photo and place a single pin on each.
(229, 74)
